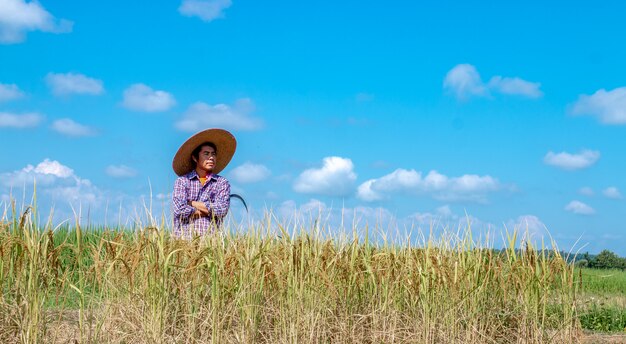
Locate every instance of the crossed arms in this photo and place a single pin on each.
(184, 209)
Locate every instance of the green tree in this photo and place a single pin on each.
(608, 260)
(582, 263)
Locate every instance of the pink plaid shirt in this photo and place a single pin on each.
(215, 194)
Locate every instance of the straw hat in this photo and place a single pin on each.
(223, 140)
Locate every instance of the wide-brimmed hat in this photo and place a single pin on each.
(223, 140)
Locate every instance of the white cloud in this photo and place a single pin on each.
(567, 161)
(68, 127)
(120, 171)
(378, 189)
(608, 106)
(55, 180)
(466, 187)
(313, 208)
(381, 223)
(371, 215)
(612, 192)
(10, 92)
(18, 17)
(287, 209)
(586, 191)
(335, 217)
(580, 208)
(365, 192)
(201, 116)
(46, 172)
(207, 10)
(72, 83)
(140, 97)
(530, 224)
(250, 173)
(443, 220)
(429, 218)
(82, 191)
(26, 120)
(515, 86)
(335, 178)
(464, 81)
(54, 168)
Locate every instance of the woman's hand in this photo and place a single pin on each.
(201, 209)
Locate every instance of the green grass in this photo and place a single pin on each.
(604, 318)
(602, 302)
(603, 282)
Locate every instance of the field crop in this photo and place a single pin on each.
(276, 284)
(602, 300)
(603, 282)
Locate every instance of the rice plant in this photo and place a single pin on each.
(278, 283)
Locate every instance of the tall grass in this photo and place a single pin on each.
(276, 284)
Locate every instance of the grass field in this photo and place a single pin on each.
(603, 300)
(603, 282)
(283, 285)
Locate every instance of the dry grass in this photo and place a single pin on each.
(260, 287)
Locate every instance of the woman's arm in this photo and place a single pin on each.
(179, 200)
(220, 205)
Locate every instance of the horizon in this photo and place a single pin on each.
(508, 115)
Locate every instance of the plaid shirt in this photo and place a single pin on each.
(215, 194)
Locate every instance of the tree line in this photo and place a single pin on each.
(604, 260)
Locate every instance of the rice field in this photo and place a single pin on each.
(278, 283)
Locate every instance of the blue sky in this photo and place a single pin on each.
(511, 113)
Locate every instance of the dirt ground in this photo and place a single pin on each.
(604, 339)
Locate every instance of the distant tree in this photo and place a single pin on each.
(582, 263)
(608, 260)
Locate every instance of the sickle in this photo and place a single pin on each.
(242, 200)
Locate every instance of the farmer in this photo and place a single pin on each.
(201, 197)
